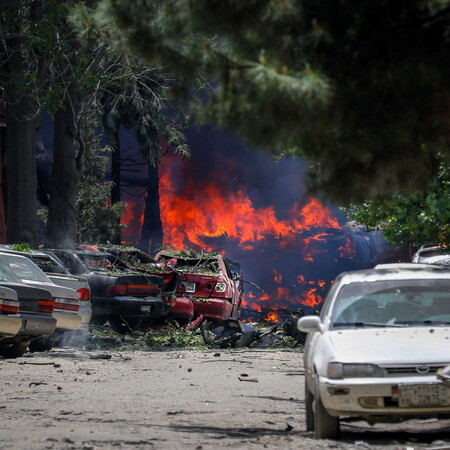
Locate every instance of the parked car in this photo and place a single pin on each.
(66, 301)
(35, 314)
(121, 296)
(182, 308)
(10, 323)
(438, 255)
(209, 280)
(374, 351)
(60, 275)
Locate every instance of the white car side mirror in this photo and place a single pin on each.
(309, 324)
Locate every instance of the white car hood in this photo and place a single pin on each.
(407, 345)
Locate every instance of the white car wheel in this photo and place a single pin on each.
(309, 398)
(325, 426)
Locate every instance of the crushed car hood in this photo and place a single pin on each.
(391, 345)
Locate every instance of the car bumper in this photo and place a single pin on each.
(365, 397)
(9, 325)
(131, 307)
(213, 308)
(67, 320)
(183, 308)
(33, 326)
(85, 312)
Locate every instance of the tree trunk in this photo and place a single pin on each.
(115, 174)
(62, 218)
(21, 180)
(151, 234)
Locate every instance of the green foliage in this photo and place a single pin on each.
(421, 217)
(98, 219)
(188, 253)
(359, 89)
(174, 337)
(22, 248)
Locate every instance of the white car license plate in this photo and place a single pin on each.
(145, 308)
(190, 287)
(412, 395)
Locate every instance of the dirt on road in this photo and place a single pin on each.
(193, 399)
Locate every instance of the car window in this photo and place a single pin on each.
(392, 302)
(102, 262)
(66, 261)
(47, 264)
(6, 274)
(24, 268)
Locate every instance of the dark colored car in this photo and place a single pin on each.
(122, 296)
(212, 282)
(35, 312)
(182, 308)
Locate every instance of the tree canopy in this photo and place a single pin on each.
(421, 217)
(359, 88)
(47, 69)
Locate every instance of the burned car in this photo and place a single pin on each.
(182, 308)
(438, 255)
(209, 280)
(375, 351)
(35, 314)
(121, 296)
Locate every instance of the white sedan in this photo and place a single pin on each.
(374, 352)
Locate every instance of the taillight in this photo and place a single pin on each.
(84, 294)
(45, 305)
(117, 289)
(220, 287)
(143, 290)
(67, 304)
(9, 306)
(132, 289)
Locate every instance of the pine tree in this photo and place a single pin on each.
(360, 89)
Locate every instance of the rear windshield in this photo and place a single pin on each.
(24, 268)
(102, 262)
(6, 274)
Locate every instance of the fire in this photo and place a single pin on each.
(189, 219)
(278, 245)
(348, 250)
(272, 317)
(132, 230)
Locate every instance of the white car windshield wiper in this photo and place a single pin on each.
(368, 324)
(423, 322)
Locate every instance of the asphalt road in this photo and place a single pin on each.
(202, 399)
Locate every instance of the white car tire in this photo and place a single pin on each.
(325, 425)
(309, 412)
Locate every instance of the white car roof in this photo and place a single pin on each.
(397, 271)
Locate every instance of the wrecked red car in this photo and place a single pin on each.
(181, 309)
(212, 282)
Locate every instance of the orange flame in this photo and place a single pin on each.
(348, 250)
(204, 221)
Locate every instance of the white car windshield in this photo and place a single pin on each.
(392, 303)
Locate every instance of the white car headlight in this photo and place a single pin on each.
(338, 371)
